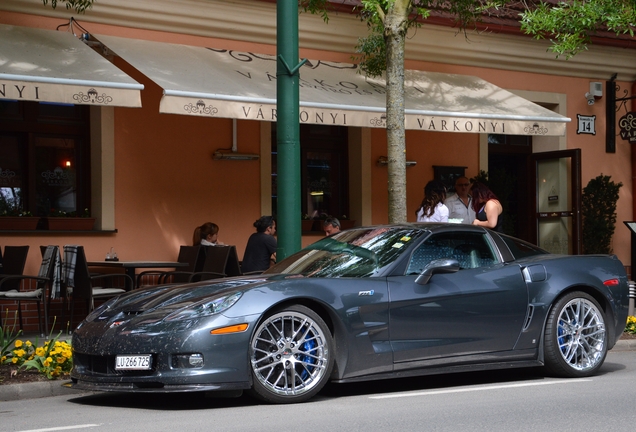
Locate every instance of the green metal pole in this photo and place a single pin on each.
(288, 128)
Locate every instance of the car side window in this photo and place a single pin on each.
(471, 250)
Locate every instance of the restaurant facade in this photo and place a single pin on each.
(154, 117)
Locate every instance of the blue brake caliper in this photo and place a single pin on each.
(308, 347)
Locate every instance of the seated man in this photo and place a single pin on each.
(331, 225)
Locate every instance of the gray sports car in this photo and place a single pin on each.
(365, 304)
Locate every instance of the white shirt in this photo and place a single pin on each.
(439, 215)
(458, 210)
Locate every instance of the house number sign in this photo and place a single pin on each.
(587, 124)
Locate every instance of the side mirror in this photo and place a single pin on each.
(444, 265)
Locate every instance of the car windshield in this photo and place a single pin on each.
(355, 253)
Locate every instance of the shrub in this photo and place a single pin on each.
(598, 208)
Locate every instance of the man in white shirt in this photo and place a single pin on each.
(460, 205)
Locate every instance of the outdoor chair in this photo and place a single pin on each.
(216, 258)
(79, 284)
(13, 265)
(45, 281)
(193, 256)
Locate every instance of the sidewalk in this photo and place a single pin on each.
(56, 387)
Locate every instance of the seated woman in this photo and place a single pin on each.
(260, 251)
(206, 235)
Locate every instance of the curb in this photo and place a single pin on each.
(35, 390)
(625, 345)
(43, 389)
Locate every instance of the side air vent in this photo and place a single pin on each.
(528, 318)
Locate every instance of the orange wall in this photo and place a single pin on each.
(167, 182)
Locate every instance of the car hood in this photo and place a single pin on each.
(146, 306)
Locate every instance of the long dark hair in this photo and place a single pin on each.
(434, 193)
(481, 195)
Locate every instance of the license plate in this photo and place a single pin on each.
(133, 362)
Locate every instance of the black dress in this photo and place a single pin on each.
(481, 216)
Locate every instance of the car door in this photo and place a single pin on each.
(477, 310)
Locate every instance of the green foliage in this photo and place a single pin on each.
(80, 6)
(316, 7)
(599, 214)
(7, 338)
(630, 327)
(569, 24)
(482, 177)
(53, 359)
(59, 213)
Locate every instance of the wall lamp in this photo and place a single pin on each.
(218, 155)
(383, 161)
(596, 92)
(233, 154)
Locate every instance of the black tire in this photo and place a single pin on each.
(291, 356)
(575, 343)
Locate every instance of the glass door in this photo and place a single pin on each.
(557, 201)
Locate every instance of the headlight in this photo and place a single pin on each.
(205, 308)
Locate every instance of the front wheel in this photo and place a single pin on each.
(575, 336)
(291, 355)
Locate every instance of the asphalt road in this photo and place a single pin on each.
(513, 400)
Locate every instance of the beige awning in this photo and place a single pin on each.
(221, 83)
(55, 66)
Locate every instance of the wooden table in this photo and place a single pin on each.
(130, 267)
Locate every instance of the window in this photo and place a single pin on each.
(323, 170)
(44, 157)
(472, 250)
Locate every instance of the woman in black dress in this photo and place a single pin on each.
(487, 207)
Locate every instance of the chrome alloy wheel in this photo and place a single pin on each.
(290, 353)
(581, 334)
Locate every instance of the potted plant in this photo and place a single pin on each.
(18, 219)
(69, 221)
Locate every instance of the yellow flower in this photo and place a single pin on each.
(14, 359)
(39, 351)
(18, 343)
(19, 352)
(61, 359)
(28, 343)
(3, 359)
(48, 361)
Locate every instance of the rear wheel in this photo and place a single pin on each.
(575, 336)
(291, 355)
